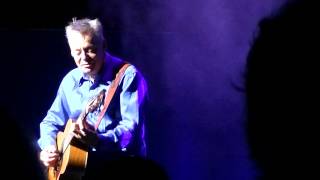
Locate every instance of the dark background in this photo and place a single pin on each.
(192, 53)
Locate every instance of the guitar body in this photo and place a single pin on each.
(73, 154)
(73, 160)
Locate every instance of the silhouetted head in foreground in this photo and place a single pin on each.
(129, 168)
(281, 81)
(18, 156)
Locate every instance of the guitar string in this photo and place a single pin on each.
(99, 97)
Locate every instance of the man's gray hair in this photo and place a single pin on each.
(86, 26)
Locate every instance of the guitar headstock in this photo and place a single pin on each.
(95, 101)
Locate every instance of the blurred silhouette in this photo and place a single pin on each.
(281, 81)
(19, 158)
(128, 167)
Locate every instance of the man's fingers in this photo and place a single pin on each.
(76, 134)
(79, 133)
(49, 159)
(53, 155)
(79, 126)
(49, 156)
(82, 132)
(51, 149)
(46, 163)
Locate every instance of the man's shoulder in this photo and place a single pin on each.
(118, 62)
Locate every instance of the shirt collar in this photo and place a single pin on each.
(106, 73)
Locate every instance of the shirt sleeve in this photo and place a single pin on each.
(131, 97)
(54, 120)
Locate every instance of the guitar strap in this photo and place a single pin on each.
(110, 93)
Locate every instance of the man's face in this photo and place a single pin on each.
(86, 52)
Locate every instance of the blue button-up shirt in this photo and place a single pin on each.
(121, 127)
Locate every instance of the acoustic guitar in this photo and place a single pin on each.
(73, 153)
